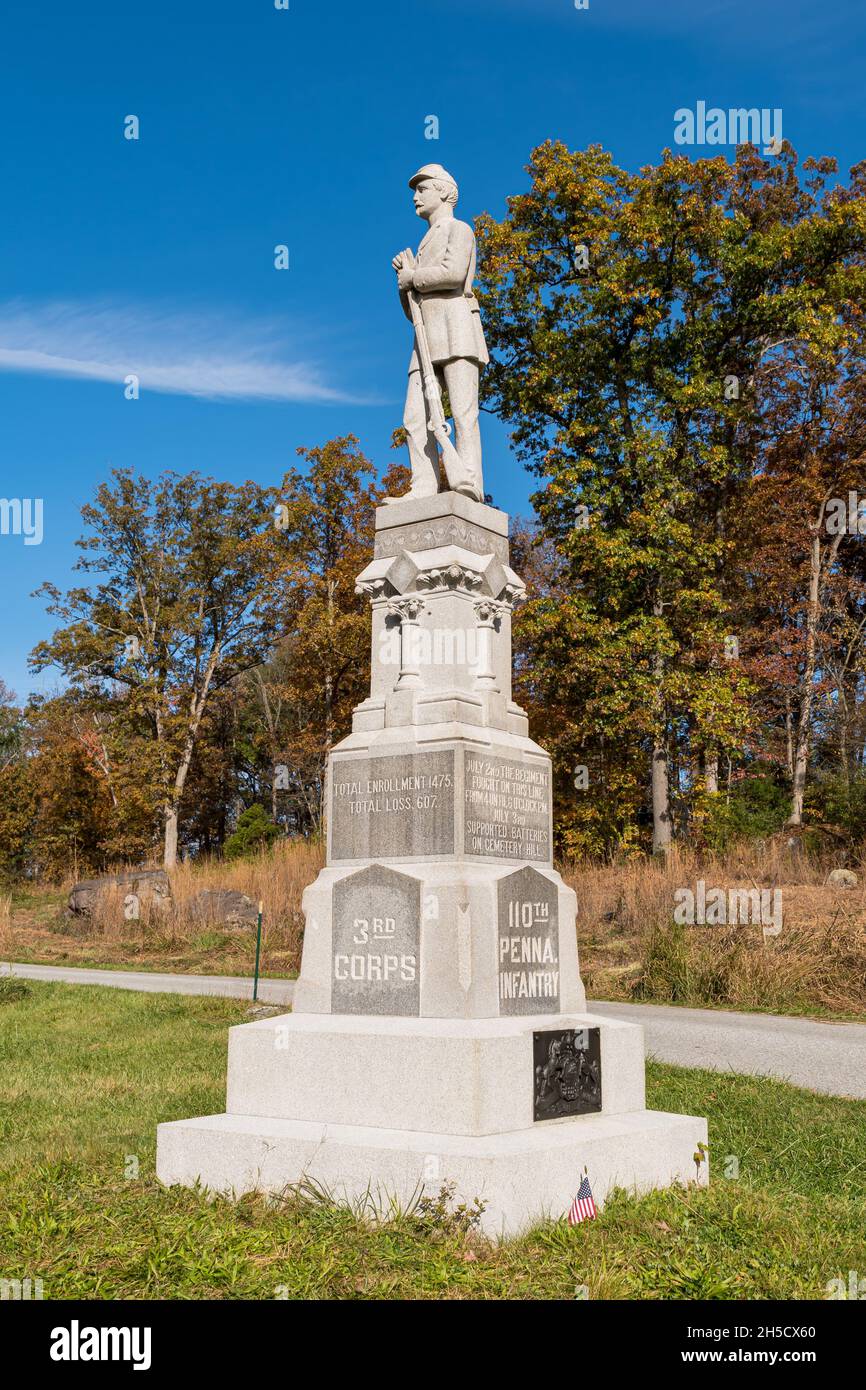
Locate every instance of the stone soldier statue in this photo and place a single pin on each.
(436, 293)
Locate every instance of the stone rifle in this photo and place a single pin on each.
(455, 470)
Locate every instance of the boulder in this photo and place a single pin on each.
(842, 878)
(225, 906)
(147, 884)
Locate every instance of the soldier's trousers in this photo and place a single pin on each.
(460, 375)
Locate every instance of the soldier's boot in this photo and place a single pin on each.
(467, 441)
(423, 453)
(461, 377)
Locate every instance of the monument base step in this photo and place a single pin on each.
(449, 1076)
(524, 1176)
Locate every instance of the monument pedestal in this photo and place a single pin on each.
(439, 1032)
(523, 1177)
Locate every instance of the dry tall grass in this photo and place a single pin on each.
(172, 929)
(631, 947)
(171, 934)
(5, 923)
(276, 878)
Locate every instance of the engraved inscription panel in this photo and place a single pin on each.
(507, 808)
(528, 944)
(376, 943)
(429, 535)
(394, 806)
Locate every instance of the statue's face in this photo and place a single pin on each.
(427, 199)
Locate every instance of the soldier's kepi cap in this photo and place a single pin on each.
(432, 171)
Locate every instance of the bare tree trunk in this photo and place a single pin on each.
(171, 811)
(789, 738)
(801, 764)
(169, 859)
(711, 770)
(271, 726)
(660, 773)
(196, 709)
(804, 723)
(807, 689)
(661, 801)
(844, 766)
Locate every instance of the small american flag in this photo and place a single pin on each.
(583, 1206)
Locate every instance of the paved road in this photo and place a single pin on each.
(828, 1057)
(230, 986)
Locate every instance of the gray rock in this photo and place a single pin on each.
(147, 884)
(842, 878)
(224, 905)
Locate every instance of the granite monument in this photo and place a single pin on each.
(439, 1032)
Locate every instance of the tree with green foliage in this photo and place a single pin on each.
(301, 701)
(630, 318)
(180, 605)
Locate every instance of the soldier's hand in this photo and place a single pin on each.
(405, 278)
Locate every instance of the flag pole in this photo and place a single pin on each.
(258, 954)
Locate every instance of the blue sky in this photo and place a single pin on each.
(261, 126)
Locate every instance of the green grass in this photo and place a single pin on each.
(87, 1073)
(45, 901)
(198, 957)
(147, 968)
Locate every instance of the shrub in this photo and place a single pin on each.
(255, 831)
(830, 798)
(757, 807)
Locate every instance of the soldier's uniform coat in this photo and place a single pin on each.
(444, 271)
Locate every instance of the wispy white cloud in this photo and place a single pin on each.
(192, 354)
